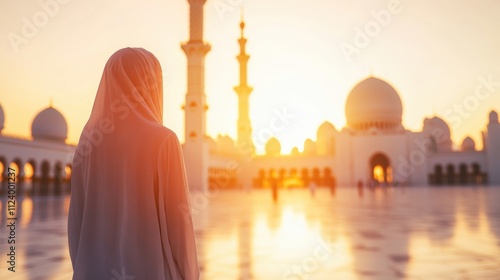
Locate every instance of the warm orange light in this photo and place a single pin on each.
(14, 166)
(28, 171)
(27, 214)
(378, 173)
(67, 170)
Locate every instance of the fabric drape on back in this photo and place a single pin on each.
(129, 211)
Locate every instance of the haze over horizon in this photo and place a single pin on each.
(305, 57)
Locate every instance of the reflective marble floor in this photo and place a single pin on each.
(412, 233)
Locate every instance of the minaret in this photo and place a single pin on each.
(243, 91)
(195, 147)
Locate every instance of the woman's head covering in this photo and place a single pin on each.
(131, 84)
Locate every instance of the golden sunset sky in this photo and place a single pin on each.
(435, 53)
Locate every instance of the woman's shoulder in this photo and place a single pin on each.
(165, 133)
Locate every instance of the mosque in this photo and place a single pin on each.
(373, 148)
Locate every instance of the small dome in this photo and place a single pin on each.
(493, 117)
(325, 143)
(309, 147)
(437, 125)
(374, 103)
(273, 147)
(439, 131)
(468, 144)
(295, 151)
(49, 124)
(2, 119)
(325, 130)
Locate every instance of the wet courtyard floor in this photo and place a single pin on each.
(389, 233)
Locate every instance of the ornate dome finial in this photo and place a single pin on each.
(242, 23)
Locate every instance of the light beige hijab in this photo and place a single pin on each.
(129, 214)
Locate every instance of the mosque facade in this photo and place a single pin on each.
(373, 147)
(41, 158)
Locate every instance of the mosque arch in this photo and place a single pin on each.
(45, 170)
(438, 174)
(316, 175)
(58, 171)
(29, 170)
(261, 178)
(58, 177)
(282, 173)
(304, 176)
(272, 173)
(36, 168)
(292, 180)
(327, 171)
(478, 176)
(450, 174)
(462, 174)
(380, 167)
(3, 164)
(328, 177)
(16, 164)
(68, 170)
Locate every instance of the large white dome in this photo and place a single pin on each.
(2, 119)
(373, 103)
(49, 124)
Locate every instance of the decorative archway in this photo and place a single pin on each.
(477, 175)
(29, 170)
(438, 174)
(450, 174)
(380, 168)
(3, 166)
(68, 169)
(16, 165)
(45, 174)
(316, 176)
(462, 171)
(304, 176)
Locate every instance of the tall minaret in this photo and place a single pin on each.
(243, 91)
(195, 147)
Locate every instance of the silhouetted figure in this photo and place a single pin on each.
(360, 188)
(130, 208)
(333, 186)
(312, 188)
(274, 188)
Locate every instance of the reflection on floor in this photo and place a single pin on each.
(412, 233)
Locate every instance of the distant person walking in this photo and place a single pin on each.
(129, 214)
(312, 188)
(360, 188)
(274, 188)
(333, 186)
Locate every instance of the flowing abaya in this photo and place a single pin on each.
(129, 214)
